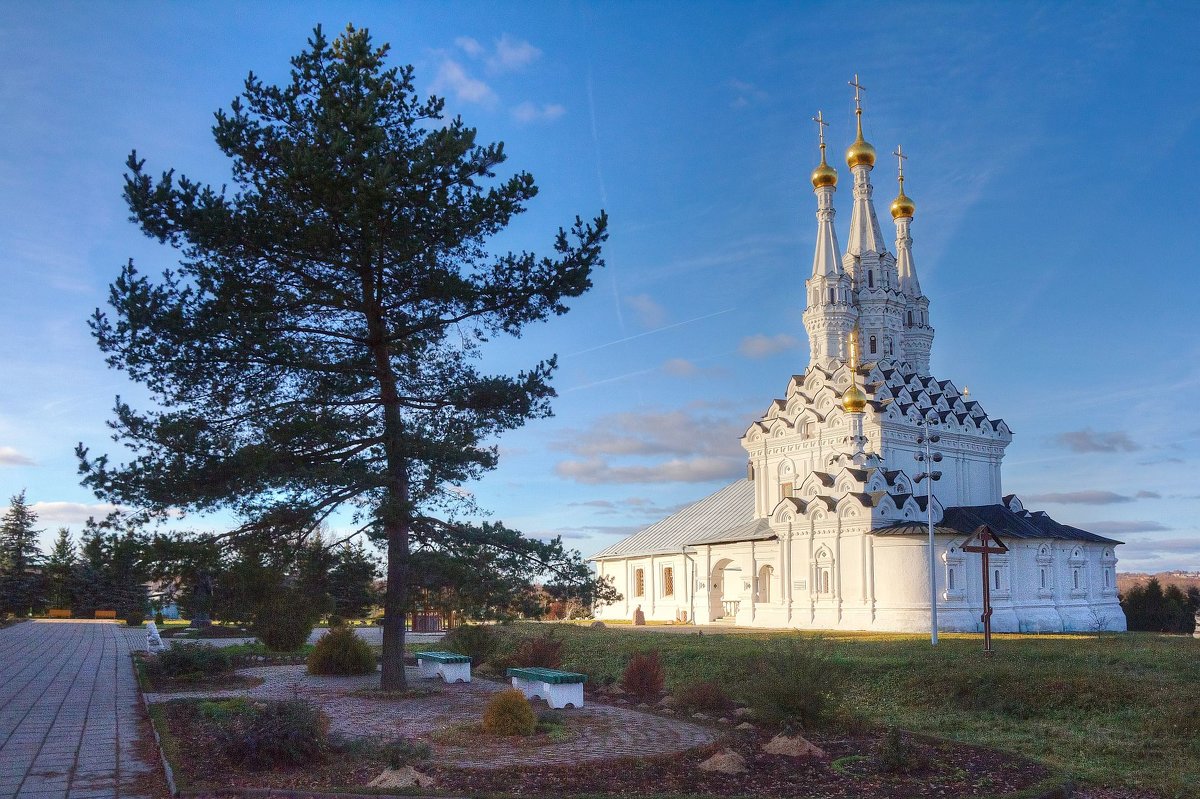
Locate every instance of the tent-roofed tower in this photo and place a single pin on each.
(831, 313)
(918, 335)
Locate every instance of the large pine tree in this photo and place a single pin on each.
(21, 584)
(316, 351)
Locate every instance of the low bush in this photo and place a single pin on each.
(479, 642)
(340, 651)
(285, 621)
(288, 732)
(643, 677)
(189, 661)
(704, 697)
(509, 713)
(544, 651)
(398, 752)
(798, 687)
(896, 754)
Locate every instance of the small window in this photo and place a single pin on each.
(996, 579)
(785, 490)
(1075, 578)
(639, 582)
(832, 297)
(668, 581)
(950, 579)
(887, 342)
(910, 322)
(874, 346)
(871, 278)
(1043, 579)
(825, 581)
(1106, 578)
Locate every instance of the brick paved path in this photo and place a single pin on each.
(601, 731)
(69, 712)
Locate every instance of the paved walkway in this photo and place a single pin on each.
(70, 720)
(599, 731)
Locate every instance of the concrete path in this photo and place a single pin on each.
(70, 717)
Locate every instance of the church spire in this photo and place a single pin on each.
(917, 339)
(827, 256)
(865, 235)
(902, 212)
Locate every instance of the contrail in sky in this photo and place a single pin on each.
(647, 333)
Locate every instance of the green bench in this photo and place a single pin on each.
(450, 666)
(558, 688)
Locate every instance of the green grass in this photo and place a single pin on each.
(1115, 710)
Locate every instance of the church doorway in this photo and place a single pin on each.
(723, 585)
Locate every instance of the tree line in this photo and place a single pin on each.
(1151, 608)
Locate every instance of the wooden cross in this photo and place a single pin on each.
(989, 544)
(900, 159)
(858, 87)
(821, 125)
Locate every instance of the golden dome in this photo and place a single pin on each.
(854, 400)
(824, 174)
(861, 152)
(903, 205)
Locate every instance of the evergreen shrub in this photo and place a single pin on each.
(190, 661)
(340, 651)
(284, 622)
(643, 677)
(288, 732)
(509, 713)
(479, 642)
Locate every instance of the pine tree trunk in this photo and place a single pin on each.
(394, 602)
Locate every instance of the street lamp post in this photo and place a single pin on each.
(928, 458)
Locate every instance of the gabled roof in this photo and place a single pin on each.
(725, 510)
(756, 530)
(1005, 523)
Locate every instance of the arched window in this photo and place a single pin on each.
(1043, 579)
(910, 322)
(832, 297)
(668, 581)
(874, 346)
(950, 580)
(871, 278)
(639, 582)
(996, 579)
(825, 580)
(764, 583)
(1075, 578)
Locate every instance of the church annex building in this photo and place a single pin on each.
(829, 528)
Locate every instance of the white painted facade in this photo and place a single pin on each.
(828, 530)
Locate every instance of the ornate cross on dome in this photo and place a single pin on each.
(900, 159)
(858, 87)
(821, 125)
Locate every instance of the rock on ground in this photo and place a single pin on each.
(405, 777)
(792, 746)
(726, 762)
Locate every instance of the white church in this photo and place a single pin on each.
(829, 528)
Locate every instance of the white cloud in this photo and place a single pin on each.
(649, 313)
(512, 54)
(1120, 527)
(470, 46)
(680, 367)
(761, 346)
(1091, 441)
(528, 112)
(745, 94)
(1079, 498)
(677, 470)
(11, 457)
(71, 512)
(453, 77)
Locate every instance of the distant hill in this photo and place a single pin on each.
(1184, 580)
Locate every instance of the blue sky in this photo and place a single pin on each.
(1053, 150)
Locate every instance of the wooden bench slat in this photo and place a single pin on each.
(548, 676)
(444, 657)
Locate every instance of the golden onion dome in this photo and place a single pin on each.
(861, 151)
(903, 206)
(854, 400)
(824, 174)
